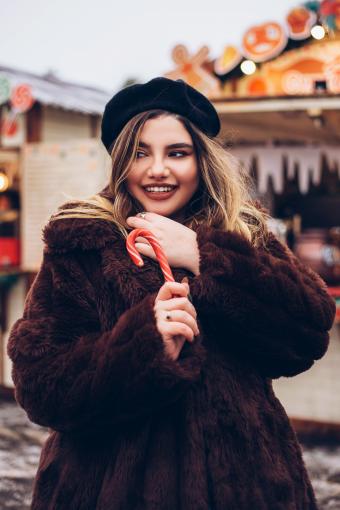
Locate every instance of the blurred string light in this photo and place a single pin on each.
(4, 182)
(318, 32)
(248, 67)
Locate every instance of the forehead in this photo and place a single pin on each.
(164, 130)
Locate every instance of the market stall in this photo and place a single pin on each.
(278, 96)
(49, 136)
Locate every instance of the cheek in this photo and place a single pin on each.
(132, 178)
(189, 174)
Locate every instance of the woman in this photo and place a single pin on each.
(155, 400)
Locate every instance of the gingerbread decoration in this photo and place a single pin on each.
(262, 42)
(191, 70)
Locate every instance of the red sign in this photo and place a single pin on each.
(22, 98)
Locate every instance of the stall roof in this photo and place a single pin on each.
(50, 90)
(301, 119)
(278, 103)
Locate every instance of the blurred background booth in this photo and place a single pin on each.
(278, 97)
(49, 152)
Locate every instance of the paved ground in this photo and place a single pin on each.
(20, 445)
(21, 441)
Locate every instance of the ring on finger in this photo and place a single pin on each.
(142, 214)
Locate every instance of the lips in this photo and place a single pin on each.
(160, 195)
(172, 186)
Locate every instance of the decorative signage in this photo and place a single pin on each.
(330, 14)
(22, 98)
(309, 68)
(264, 42)
(229, 59)
(300, 22)
(13, 128)
(190, 69)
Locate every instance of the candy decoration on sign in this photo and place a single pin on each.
(300, 22)
(229, 59)
(191, 70)
(328, 8)
(5, 89)
(136, 257)
(330, 14)
(260, 43)
(22, 98)
(9, 126)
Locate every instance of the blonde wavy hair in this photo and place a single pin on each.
(222, 200)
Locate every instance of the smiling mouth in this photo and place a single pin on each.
(160, 193)
(159, 189)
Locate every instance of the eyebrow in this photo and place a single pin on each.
(171, 146)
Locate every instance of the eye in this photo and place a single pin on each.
(140, 154)
(181, 153)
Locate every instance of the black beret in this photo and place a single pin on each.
(159, 93)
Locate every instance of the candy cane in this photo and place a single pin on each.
(136, 257)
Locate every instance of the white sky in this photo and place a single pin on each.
(103, 42)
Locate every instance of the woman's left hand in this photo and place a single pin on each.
(178, 241)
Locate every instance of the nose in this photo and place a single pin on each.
(158, 169)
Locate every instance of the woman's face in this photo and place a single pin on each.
(165, 157)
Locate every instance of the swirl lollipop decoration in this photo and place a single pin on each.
(21, 100)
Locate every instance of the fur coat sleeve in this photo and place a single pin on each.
(68, 373)
(263, 304)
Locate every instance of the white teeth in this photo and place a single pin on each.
(158, 189)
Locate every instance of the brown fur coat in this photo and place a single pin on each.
(134, 430)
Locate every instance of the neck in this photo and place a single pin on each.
(178, 216)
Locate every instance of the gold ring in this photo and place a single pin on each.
(142, 215)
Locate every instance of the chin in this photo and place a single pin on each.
(158, 207)
(164, 211)
(151, 205)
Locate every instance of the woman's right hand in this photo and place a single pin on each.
(183, 325)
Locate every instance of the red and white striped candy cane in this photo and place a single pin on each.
(136, 257)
